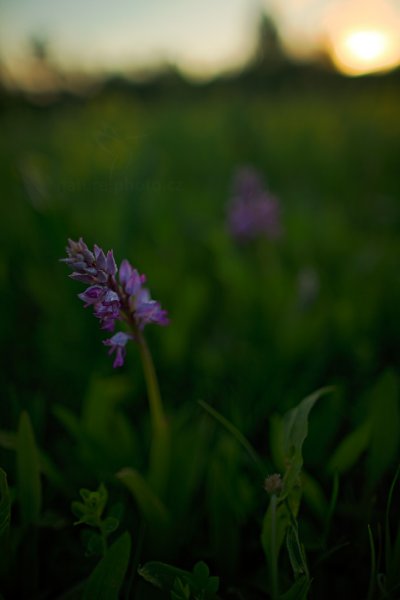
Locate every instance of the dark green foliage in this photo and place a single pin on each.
(254, 328)
(90, 512)
(106, 579)
(183, 585)
(280, 521)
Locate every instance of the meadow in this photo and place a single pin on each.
(256, 326)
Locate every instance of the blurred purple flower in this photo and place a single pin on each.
(253, 211)
(111, 301)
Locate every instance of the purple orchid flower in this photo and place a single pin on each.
(117, 344)
(124, 299)
(148, 310)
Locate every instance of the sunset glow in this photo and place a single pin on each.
(367, 46)
(201, 39)
(358, 52)
(364, 35)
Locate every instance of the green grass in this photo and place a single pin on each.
(152, 181)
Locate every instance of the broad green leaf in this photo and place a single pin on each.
(5, 505)
(107, 577)
(149, 503)
(350, 449)
(295, 427)
(162, 575)
(28, 472)
(385, 424)
(298, 591)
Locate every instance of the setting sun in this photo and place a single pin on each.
(358, 52)
(367, 46)
(364, 36)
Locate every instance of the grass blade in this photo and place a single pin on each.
(239, 437)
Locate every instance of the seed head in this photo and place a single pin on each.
(273, 484)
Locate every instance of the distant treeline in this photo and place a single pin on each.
(269, 69)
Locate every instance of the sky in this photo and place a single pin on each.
(202, 37)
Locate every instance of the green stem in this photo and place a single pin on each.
(156, 407)
(159, 451)
(274, 562)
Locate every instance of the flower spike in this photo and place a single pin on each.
(113, 300)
